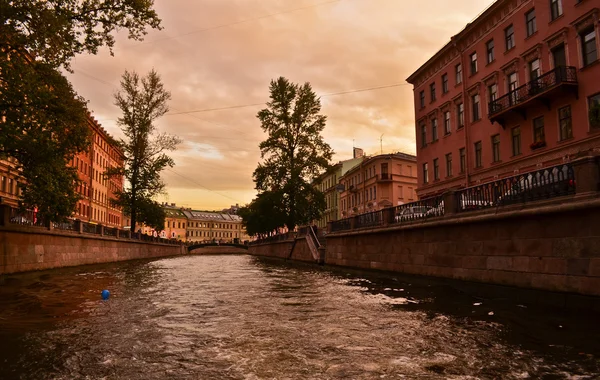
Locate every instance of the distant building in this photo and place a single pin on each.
(214, 226)
(232, 210)
(328, 184)
(378, 182)
(517, 89)
(9, 182)
(96, 190)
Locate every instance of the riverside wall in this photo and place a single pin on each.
(26, 249)
(552, 246)
(283, 250)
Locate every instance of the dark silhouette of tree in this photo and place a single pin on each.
(263, 216)
(42, 119)
(294, 152)
(142, 101)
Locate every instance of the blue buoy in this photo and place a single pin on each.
(105, 294)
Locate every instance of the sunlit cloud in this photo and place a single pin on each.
(209, 57)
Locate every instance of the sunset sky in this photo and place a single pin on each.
(217, 57)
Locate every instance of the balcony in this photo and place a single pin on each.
(384, 177)
(353, 189)
(543, 88)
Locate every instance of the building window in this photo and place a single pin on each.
(423, 135)
(434, 133)
(588, 46)
(538, 130)
(496, 148)
(447, 128)
(489, 46)
(478, 154)
(509, 36)
(463, 159)
(493, 92)
(594, 111)
(445, 83)
(422, 98)
(432, 91)
(473, 60)
(425, 173)
(449, 165)
(476, 110)
(513, 83)
(530, 22)
(559, 56)
(564, 119)
(556, 9)
(436, 169)
(516, 141)
(458, 70)
(534, 69)
(460, 115)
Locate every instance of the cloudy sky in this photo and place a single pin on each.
(217, 57)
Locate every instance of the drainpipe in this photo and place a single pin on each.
(466, 114)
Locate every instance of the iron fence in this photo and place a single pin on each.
(108, 231)
(527, 187)
(67, 225)
(421, 209)
(88, 228)
(341, 225)
(371, 219)
(33, 219)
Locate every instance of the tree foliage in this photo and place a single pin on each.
(142, 101)
(263, 215)
(43, 120)
(294, 152)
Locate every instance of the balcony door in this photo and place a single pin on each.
(559, 56)
(513, 83)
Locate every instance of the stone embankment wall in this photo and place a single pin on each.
(555, 248)
(281, 249)
(547, 246)
(26, 249)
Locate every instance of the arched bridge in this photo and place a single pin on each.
(220, 247)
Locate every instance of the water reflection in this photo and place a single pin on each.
(239, 317)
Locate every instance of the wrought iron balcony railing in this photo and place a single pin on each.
(561, 75)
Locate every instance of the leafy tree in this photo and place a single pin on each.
(142, 100)
(148, 211)
(294, 152)
(263, 215)
(43, 120)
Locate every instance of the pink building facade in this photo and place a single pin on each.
(378, 182)
(516, 90)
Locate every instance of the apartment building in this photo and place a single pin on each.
(214, 226)
(9, 182)
(328, 183)
(378, 182)
(96, 190)
(517, 89)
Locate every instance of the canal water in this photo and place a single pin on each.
(242, 317)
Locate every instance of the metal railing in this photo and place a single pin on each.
(275, 238)
(371, 219)
(527, 187)
(29, 218)
(341, 225)
(551, 79)
(421, 209)
(108, 231)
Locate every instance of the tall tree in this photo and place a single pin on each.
(142, 101)
(42, 119)
(294, 152)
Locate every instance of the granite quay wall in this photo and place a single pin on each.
(296, 248)
(33, 248)
(547, 247)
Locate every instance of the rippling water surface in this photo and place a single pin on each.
(240, 317)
